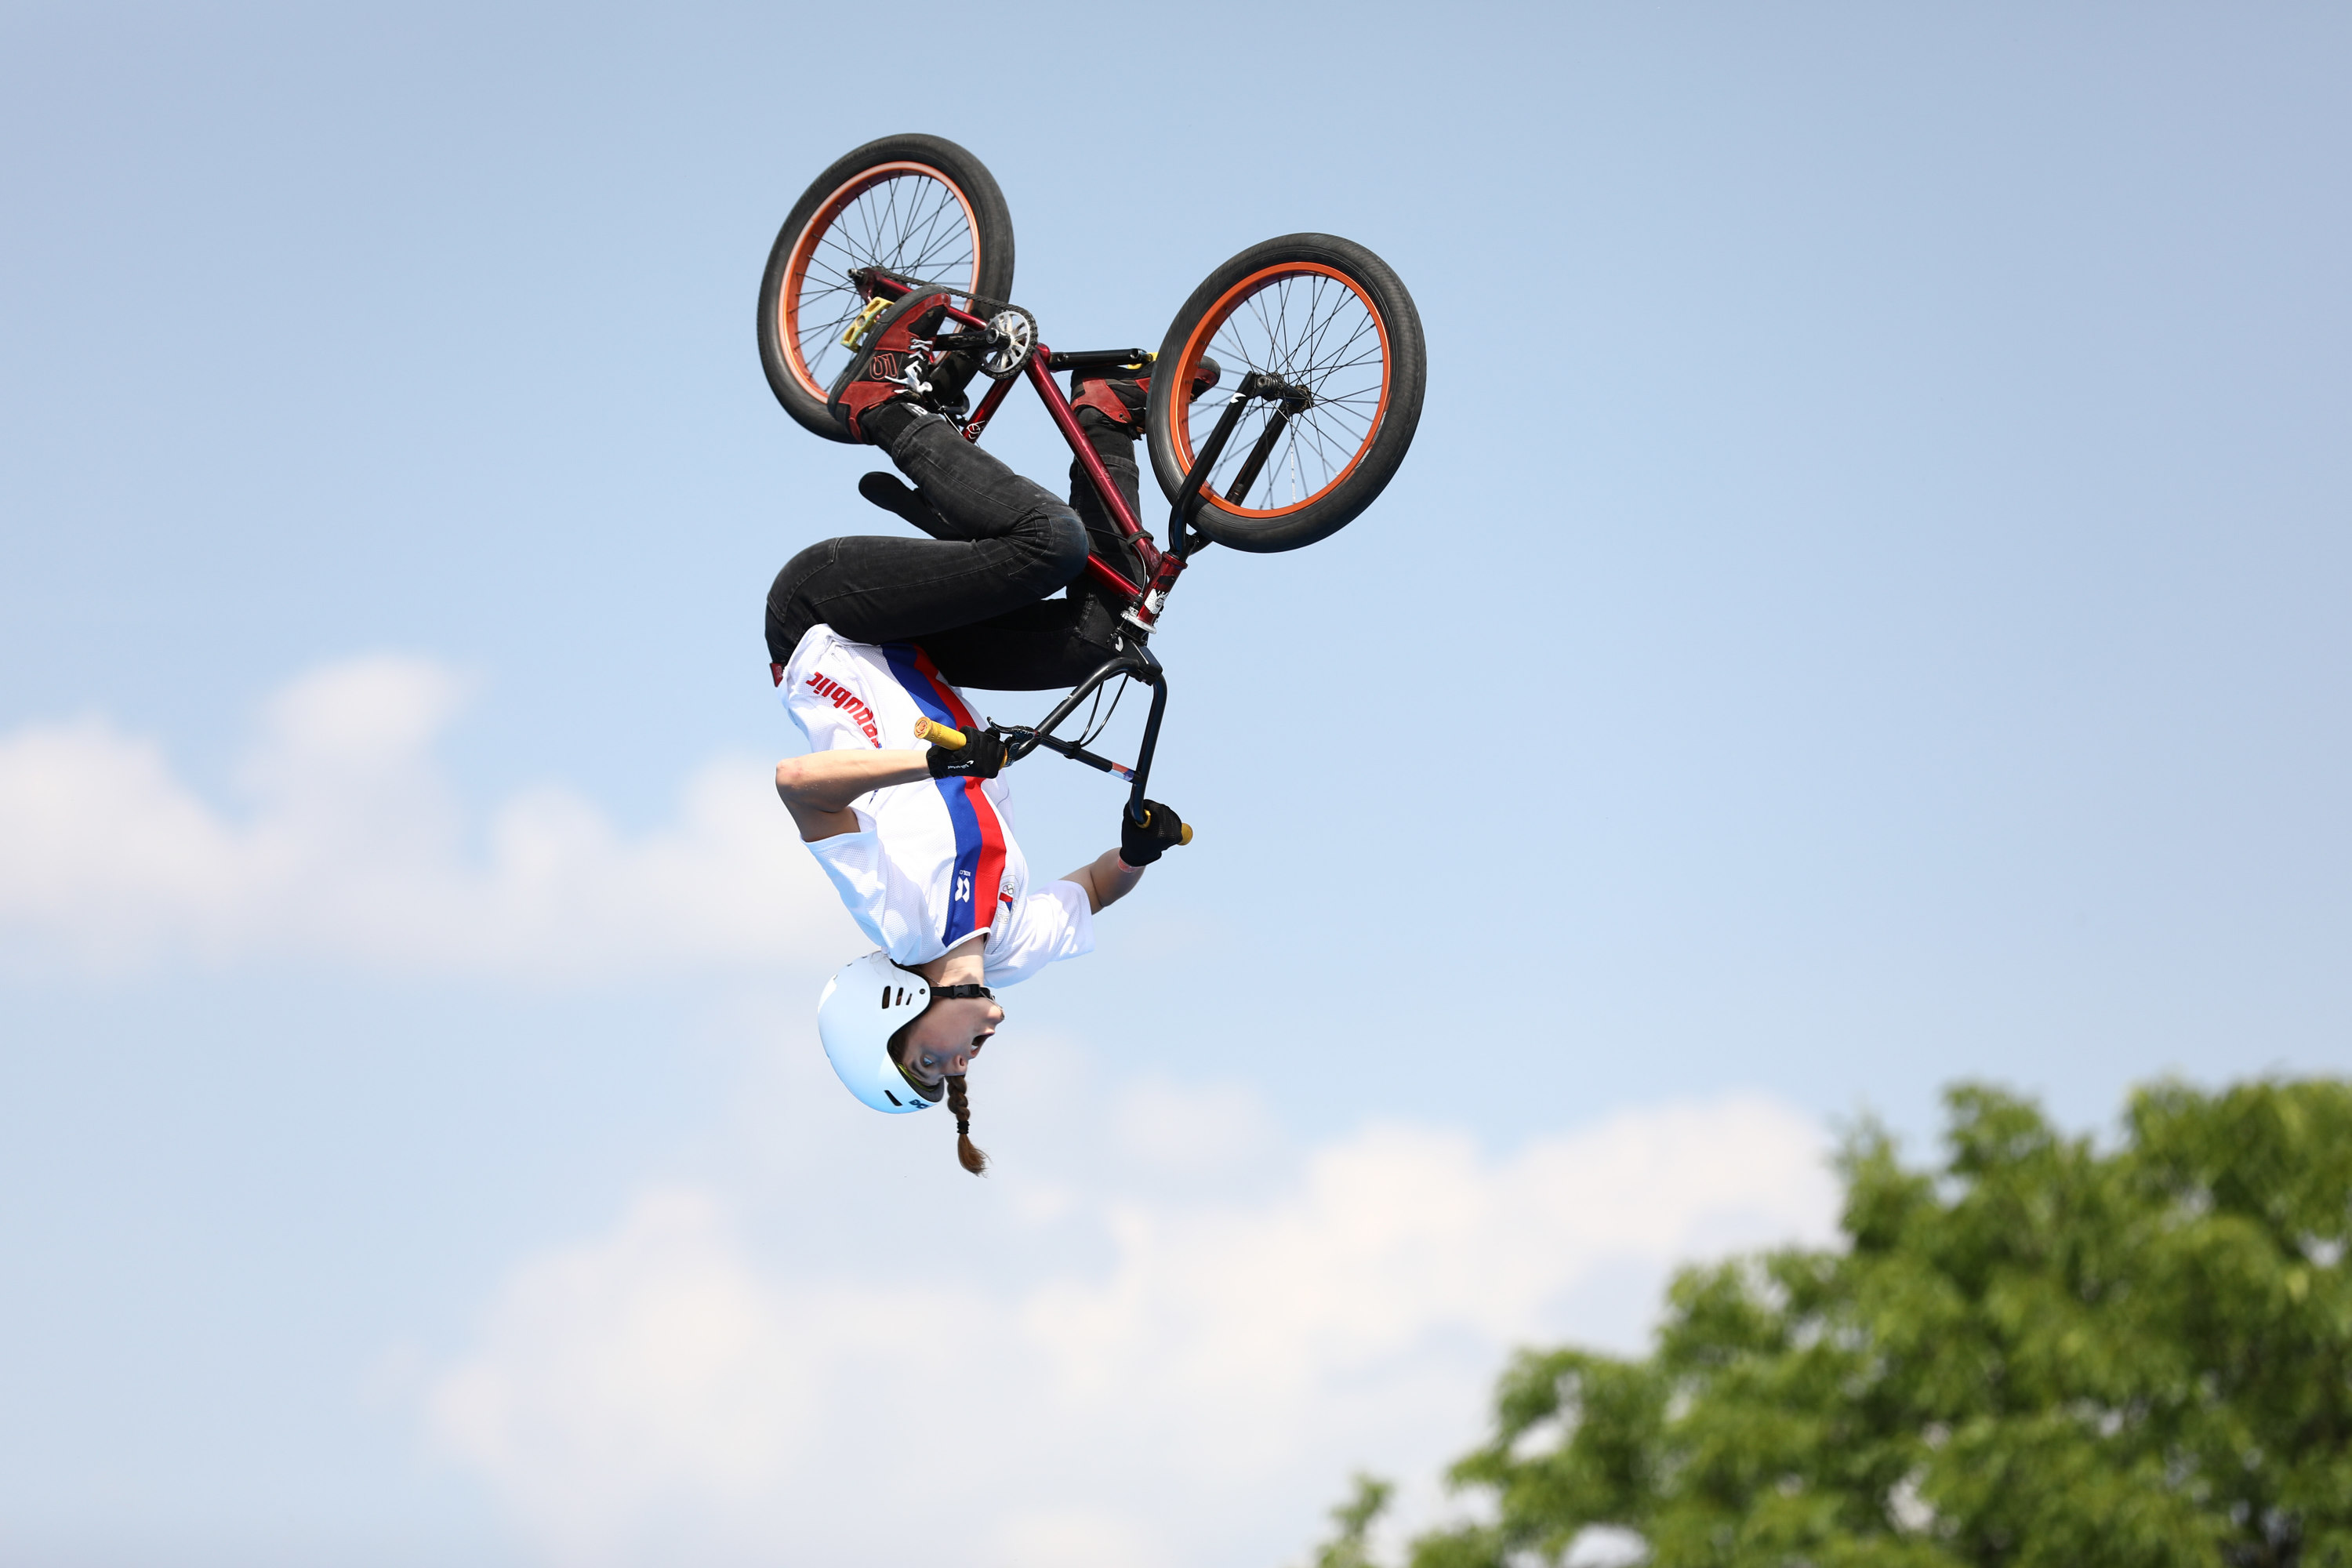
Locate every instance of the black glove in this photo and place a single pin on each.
(1141, 843)
(982, 756)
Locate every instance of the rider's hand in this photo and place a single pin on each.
(982, 756)
(1141, 843)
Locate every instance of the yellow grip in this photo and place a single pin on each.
(940, 735)
(1183, 829)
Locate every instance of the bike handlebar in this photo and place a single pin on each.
(949, 739)
(944, 737)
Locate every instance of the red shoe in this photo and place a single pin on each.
(1121, 399)
(893, 359)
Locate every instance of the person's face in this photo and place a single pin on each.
(949, 1035)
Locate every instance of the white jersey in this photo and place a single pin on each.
(932, 862)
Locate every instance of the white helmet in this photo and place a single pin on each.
(856, 1028)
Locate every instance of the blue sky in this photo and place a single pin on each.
(1865, 608)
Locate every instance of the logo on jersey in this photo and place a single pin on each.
(841, 696)
(964, 888)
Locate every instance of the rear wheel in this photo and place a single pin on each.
(1322, 314)
(920, 207)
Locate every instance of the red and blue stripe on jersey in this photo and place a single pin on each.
(979, 836)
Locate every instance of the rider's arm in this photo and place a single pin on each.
(818, 788)
(1107, 879)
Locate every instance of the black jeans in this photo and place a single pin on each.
(975, 595)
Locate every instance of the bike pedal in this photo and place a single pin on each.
(864, 321)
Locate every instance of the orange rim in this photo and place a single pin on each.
(803, 254)
(1204, 333)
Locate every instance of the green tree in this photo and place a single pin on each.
(1349, 1546)
(2040, 1354)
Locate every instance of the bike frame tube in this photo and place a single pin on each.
(987, 410)
(1067, 420)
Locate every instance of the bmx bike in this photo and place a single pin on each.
(1324, 336)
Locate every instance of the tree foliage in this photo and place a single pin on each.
(1349, 1546)
(2043, 1354)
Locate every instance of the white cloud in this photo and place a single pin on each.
(355, 846)
(1082, 1367)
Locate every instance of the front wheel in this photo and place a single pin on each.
(918, 207)
(1322, 314)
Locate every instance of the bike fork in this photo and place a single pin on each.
(1158, 680)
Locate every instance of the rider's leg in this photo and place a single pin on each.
(973, 494)
(1010, 543)
(1110, 416)
(1115, 444)
(904, 590)
(1038, 647)
(1110, 413)
(894, 496)
(889, 365)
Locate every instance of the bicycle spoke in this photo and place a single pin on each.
(913, 226)
(1313, 331)
(917, 225)
(945, 255)
(1316, 361)
(884, 222)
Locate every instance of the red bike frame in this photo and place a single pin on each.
(1145, 600)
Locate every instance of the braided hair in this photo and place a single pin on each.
(968, 1152)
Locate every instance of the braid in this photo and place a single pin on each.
(961, 1107)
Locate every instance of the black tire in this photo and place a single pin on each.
(919, 205)
(1321, 312)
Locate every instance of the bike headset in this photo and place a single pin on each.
(857, 1030)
